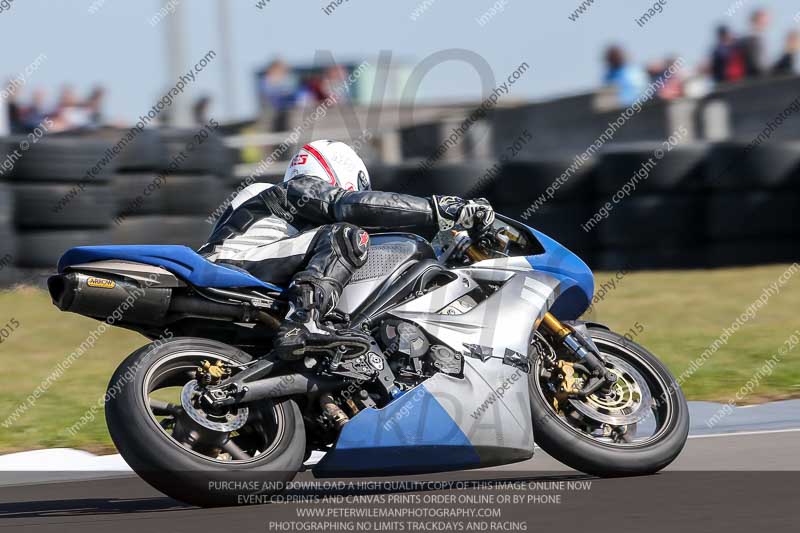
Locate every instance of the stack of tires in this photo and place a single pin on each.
(753, 204)
(511, 187)
(659, 223)
(545, 195)
(167, 186)
(62, 197)
(459, 179)
(8, 249)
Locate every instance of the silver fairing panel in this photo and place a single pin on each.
(503, 321)
(491, 402)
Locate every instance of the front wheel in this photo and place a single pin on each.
(193, 455)
(637, 426)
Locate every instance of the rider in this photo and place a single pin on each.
(312, 230)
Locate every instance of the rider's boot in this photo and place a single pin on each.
(302, 333)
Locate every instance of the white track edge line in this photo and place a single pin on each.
(744, 433)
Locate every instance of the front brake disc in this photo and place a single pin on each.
(627, 401)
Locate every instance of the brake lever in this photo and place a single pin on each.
(461, 241)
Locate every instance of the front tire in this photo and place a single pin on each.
(558, 435)
(175, 468)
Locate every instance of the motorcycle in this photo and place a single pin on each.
(477, 352)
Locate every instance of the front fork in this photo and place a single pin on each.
(589, 358)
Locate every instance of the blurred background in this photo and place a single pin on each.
(660, 141)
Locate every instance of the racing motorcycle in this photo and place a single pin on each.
(477, 352)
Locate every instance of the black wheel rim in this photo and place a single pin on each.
(629, 365)
(257, 439)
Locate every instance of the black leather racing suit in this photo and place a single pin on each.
(310, 232)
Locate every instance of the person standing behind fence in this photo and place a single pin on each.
(94, 107)
(727, 60)
(279, 93)
(629, 80)
(753, 48)
(33, 116)
(785, 65)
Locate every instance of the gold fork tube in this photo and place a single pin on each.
(554, 326)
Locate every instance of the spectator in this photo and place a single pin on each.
(94, 106)
(279, 93)
(336, 83)
(34, 114)
(14, 111)
(727, 61)
(785, 65)
(200, 110)
(670, 87)
(315, 87)
(71, 113)
(752, 47)
(630, 81)
(330, 84)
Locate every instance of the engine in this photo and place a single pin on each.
(411, 355)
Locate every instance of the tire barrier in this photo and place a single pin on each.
(736, 166)
(658, 220)
(652, 258)
(194, 153)
(681, 216)
(61, 159)
(747, 252)
(457, 179)
(681, 169)
(383, 177)
(521, 183)
(559, 220)
(41, 249)
(61, 195)
(145, 152)
(81, 189)
(749, 215)
(702, 205)
(137, 193)
(191, 231)
(204, 192)
(7, 236)
(34, 206)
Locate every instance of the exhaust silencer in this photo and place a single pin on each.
(102, 297)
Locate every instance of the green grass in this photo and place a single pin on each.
(684, 312)
(680, 315)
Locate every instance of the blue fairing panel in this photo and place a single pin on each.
(576, 277)
(413, 434)
(180, 260)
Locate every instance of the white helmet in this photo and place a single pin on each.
(333, 161)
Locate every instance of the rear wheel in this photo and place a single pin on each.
(181, 448)
(637, 426)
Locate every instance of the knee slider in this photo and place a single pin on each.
(351, 243)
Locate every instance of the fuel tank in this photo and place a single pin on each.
(388, 252)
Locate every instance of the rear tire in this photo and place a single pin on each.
(177, 471)
(581, 452)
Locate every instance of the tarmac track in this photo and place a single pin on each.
(745, 481)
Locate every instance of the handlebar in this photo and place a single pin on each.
(477, 244)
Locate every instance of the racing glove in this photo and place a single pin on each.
(452, 211)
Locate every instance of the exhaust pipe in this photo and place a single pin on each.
(100, 298)
(104, 297)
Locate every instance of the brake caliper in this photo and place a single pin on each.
(211, 374)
